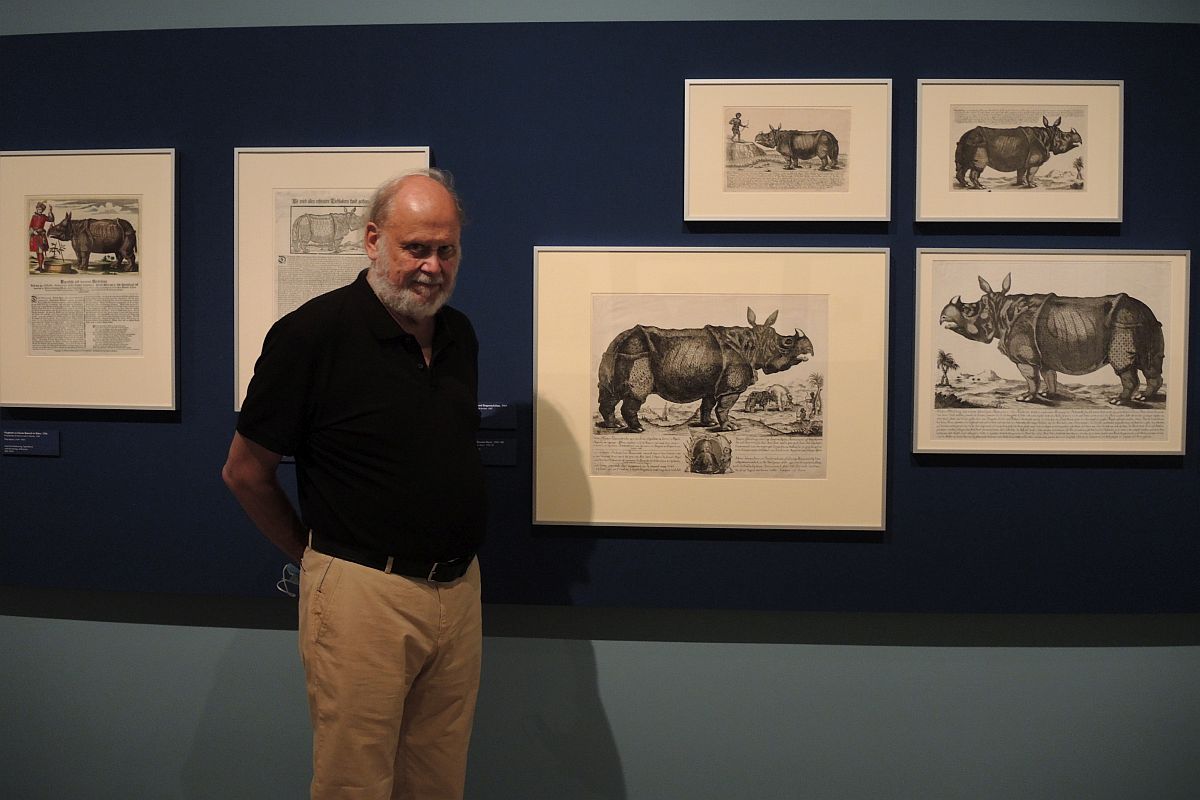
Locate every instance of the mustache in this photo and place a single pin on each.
(428, 280)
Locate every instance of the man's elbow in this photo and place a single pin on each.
(236, 478)
(229, 475)
(248, 467)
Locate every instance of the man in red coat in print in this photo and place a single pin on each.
(38, 243)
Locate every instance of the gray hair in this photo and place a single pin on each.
(381, 201)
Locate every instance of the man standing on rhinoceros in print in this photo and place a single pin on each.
(38, 243)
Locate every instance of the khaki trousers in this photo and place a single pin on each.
(392, 666)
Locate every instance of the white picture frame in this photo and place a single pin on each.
(833, 475)
(835, 164)
(103, 335)
(1061, 310)
(991, 151)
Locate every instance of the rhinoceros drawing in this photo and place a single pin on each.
(89, 236)
(797, 146)
(1044, 334)
(757, 401)
(1021, 150)
(713, 364)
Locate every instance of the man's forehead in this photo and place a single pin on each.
(420, 196)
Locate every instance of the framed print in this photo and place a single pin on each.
(1019, 151)
(1054, 351)
(738, 388)
(87, 279)
(776, 149)
(298, 227)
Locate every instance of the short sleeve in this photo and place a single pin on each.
(274, 413)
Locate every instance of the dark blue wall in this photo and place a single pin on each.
(571, 134)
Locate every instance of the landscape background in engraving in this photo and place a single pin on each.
(762, 166)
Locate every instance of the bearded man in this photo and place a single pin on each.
(373, 389)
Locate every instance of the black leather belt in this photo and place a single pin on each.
(439, 571)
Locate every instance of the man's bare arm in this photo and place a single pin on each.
(249, 472)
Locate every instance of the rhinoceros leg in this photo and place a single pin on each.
(1154, 382)
(978, 163)
(1033, 382)
(706, 407)
(724, 404)
(1050, 379)
(629, 413)
(608, 409)
(1129, 385)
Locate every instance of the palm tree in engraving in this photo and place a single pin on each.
(945, 362)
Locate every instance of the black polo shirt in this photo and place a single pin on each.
(386, 459)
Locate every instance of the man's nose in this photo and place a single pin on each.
(433, 264)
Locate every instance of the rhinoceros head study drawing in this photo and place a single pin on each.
(1044, 334)
(713, 364)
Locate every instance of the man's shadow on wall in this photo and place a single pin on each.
(541, 730)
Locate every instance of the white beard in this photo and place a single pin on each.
(403, 300)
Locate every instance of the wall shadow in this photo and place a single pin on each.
(541, 730)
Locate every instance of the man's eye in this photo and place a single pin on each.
(420, 251)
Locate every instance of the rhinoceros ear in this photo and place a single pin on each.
(771, 319)
(983, 284)
(750, 315)
(1004, 287)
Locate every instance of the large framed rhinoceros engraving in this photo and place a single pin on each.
(1037, 151)
(1022, 351)
(735, 388)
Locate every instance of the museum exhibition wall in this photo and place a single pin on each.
(842, 192)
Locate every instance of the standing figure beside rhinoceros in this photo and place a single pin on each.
(95, 234)
(1047, 334)
(802, 149)
(1024, 153)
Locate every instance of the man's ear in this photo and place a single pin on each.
(371, 235)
